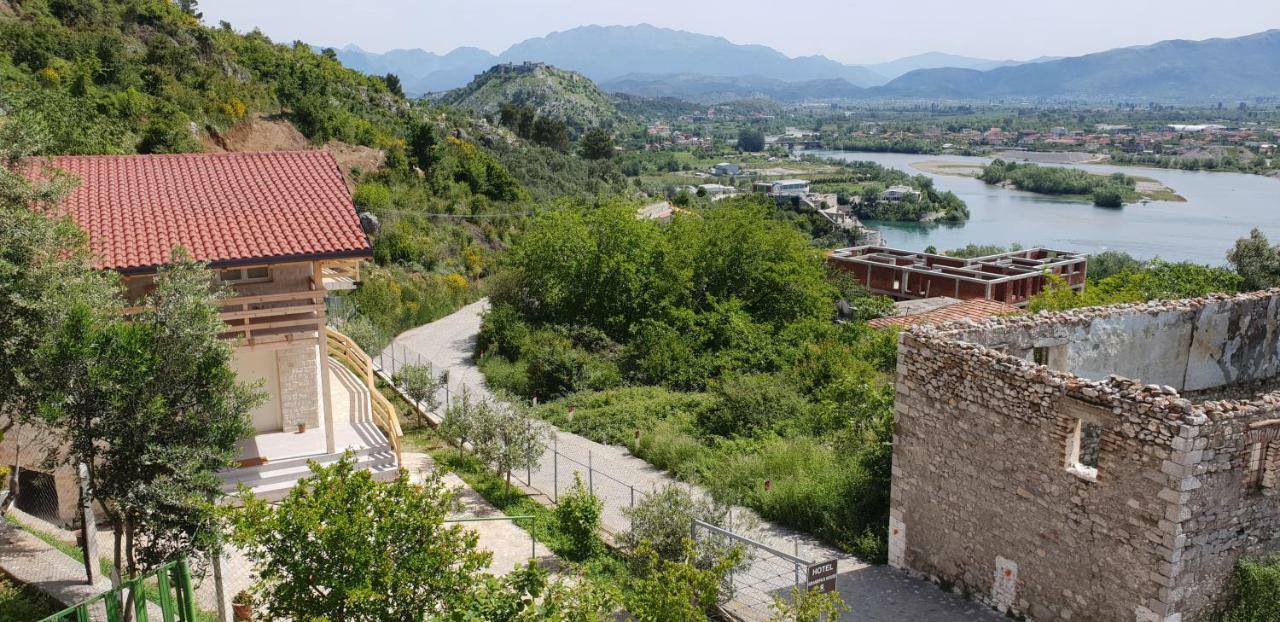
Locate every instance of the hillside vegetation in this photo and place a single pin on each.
(711, 339)
(553, 93)
(145, 76)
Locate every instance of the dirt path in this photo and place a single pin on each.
(874, 593)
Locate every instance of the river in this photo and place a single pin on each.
(1220, 208)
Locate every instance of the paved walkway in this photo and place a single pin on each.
(873, 593)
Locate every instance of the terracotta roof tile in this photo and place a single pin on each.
(976, 309)
(224, 208)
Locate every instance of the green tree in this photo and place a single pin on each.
(502, 436)
(596, 144)
(393, 84)
(661, 519)
(421, 386)
(674, 591)
(46, 274)
(342, 546)
(550, 132)
(151, 405)
(1256, 261)
(750, 140)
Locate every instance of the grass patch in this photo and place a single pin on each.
(22, 603)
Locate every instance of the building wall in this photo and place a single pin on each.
(1187, 346)
(1227, 517)
(982, 498)
(291, 378)
(982, 494)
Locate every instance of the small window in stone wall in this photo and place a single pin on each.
(1040, 355)
(1084, 446)
(1263, 460)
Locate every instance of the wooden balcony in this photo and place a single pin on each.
(274, 317)
(268, 318)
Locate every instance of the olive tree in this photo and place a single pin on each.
(151, 405)
(504, 436)
(421, 387)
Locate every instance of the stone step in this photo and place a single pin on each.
(279, 477)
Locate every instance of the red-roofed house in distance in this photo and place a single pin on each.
(280, 230)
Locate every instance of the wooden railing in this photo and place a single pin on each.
(282, 316)
(342, 348)
(276, 315)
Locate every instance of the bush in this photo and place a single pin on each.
(578, 514)
(505, 376)
(1108, 196)
(661, 519)
(1256, 591)
(749, 403)
(372, 195)
(615, 415)
(557, 368)
(671, 445)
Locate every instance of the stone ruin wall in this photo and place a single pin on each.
(981, 487)
(982, 498)
(1227, 516)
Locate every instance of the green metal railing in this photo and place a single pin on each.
(172, 593)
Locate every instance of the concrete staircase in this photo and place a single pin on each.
(289, 455)
(274, 480)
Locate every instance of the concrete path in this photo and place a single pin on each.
(873, 593)
(33, 561)
(511, 544)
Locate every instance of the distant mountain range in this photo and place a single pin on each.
(1214, 69)
(608, 53)
(659, 62)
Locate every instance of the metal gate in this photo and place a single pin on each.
(764, 574)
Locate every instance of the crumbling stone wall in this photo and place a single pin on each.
(986, 495)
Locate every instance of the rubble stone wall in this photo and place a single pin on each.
(1233, 506)
(986, 497)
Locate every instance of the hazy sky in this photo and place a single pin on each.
(852, 31)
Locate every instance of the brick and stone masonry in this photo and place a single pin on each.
(1083, 465)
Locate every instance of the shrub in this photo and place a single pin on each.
(1257, 591)
(372, 195)
(671, 445)
(661, 519)
(558, 368)
(615, 415)
(578, 514)
(501, 332)
(749, 403)
(505, 376)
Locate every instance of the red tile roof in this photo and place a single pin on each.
(976, 309)
(224, 208)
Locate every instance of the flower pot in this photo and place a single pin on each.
(243, 613)
(302, 427)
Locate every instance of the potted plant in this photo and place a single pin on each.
(302, 427)
(242, 606)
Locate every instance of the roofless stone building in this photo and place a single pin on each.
(1099, 464)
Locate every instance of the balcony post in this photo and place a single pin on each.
(330, 443)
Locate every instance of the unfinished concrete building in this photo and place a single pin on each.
(1012, 277)
(1099, 464)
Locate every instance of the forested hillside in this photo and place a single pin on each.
(146, 76)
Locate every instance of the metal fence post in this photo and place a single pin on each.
(591, 474)
(555, 469)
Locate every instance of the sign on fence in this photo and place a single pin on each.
(822, 575)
